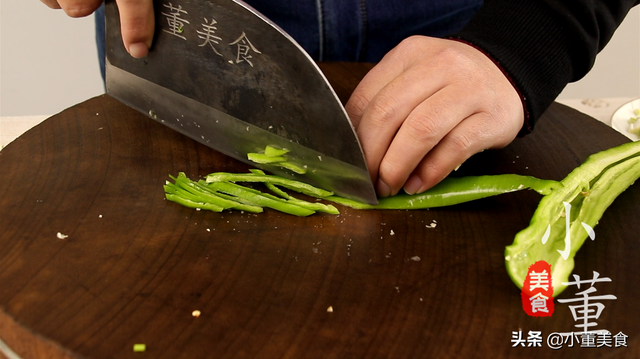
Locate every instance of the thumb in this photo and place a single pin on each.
(137, 25)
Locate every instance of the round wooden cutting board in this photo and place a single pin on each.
(362, 284)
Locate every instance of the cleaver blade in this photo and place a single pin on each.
(224, 75)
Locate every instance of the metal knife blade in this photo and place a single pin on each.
(224, 75)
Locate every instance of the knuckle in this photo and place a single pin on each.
(389, 173)
(356, 104)
(135, 30)
(408, 48)
(431, 172)
(413, 42)
(444, 57)
(383, 109)
(463, 142)
(409, 42)
(453, 54)
(136, 17)
(436, 170)
(422, 128)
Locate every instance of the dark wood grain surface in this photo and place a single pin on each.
(134, 267)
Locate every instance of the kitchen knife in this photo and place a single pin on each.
(224, 75)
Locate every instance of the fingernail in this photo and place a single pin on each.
(382, 189)
(138, 50)
(413, 184)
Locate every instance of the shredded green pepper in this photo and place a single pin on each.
(320, 207)
(260, 199)
(314, 206)
(220, 195)
(194, 195)
(283, 182)
(275, 152)
(263, 158)
(275, 156)
(181, 199)
(292, 167)
(588, 190)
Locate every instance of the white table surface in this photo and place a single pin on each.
(600, 109)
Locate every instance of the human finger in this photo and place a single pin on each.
(391, 65)
(474, 134)
(51, 3)
(137, 25)
(419, 133)
(385, 114)
(79, 8)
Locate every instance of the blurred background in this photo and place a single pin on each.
(48, 61)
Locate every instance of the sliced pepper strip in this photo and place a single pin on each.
(197, 193)
(292, 167)
(180, 199)
(283, 182)
(275, 156)
(452, 191)
(264, 158)
(314, 206)
(259, 199)
(589, 189)
(275, 152)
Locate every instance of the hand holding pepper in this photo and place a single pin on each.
(428, 106)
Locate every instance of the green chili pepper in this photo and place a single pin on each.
(314, 206)
(275, 156)
(199, 195)
(320, 207)
(263, 158)
(292, 167)
(283, 182)
(452, 191)
(275, 152)
(181, 199)
(259, 199)
(588, 191)
(218, 196)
